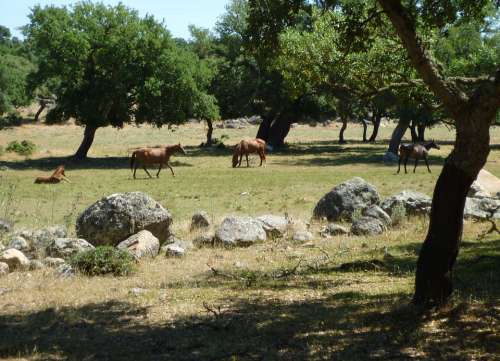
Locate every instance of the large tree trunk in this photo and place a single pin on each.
(421, 132)
(376, 126)
(40, 110)
(263, 131)
(397, 135)
(88, 139)
(414, 135)
(275, 131)
(209, 133)
(342, 130)
(365, 126)
(433, 281)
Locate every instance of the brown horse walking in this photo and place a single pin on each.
(56, 177)
(245, 147)
(152, 156)
(417, 152)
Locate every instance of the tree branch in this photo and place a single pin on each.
(452, 97)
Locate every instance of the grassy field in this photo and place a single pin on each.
(275, 300)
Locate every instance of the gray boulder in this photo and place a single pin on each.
(240, 231)
(478, 191)
(66, 247)
(65, 271)
(275, 226)
(15, 259)
(333, 229)
(482, 208)
(36, 264)
(375, 211)
(4, 269)
(367, 226)
(118, 216)
(5, 226)
(200, 220)
(414, 203)
(140, 245)
(41, 238)
(344, 199)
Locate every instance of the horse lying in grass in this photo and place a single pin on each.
(57, 177)
(153, 156)
(245, 147)
(417, 152)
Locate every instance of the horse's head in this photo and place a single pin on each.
(179, 148)
(433, 144)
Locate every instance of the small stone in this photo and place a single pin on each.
(302, 236)
(200, 220)
(4, 290)
(19, 243)
(204, 240)
(367, 226)
(53, 262)
(65, 271)
(142, 244)
(5, 226)
(36, 264)
(333, 230)
(66, 247)
(173, 250)
(136, 291)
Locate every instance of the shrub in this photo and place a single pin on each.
(103, 260)
(11, 120)
(25, 148)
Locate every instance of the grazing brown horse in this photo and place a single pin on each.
(247, 146)
(417, 152)
(152, 156)
(56, 177)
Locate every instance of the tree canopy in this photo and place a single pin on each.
(108, 66)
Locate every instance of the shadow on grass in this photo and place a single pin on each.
(343, 326)
(50, 163)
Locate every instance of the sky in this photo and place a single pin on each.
(177, 14)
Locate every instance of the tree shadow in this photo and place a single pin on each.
(50, 163)
(343, 326)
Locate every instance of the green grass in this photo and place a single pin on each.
(274, 300)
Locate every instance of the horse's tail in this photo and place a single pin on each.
(236, 154)
(132, 160)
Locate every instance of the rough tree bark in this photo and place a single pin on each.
(276, 130)
(88, 139)
(210, 131)
(421, 132)
(365, 126)
(473, 115)
(413, 130)
(376, 126)
(40, 110)
(342, 130)
(398, 134)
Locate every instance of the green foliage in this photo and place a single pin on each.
(103, 260)
(25, 148)
(108, 66)
(15, 66)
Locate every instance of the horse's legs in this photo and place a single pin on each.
(146, 170)
(159, 169)
(261, 159)
(427, 164)
(173, 174)
(406, 161)
(241, 158)
(416, 163)
(248, 164)
(399, 164)
(135, 168)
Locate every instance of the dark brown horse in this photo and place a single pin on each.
(152, 156)
(57, 177)
(417, 152)
(247, 146)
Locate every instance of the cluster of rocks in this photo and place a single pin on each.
(240, 123)
(481, 204)
(359, 202)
